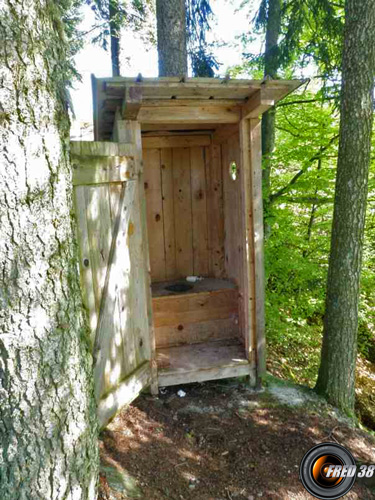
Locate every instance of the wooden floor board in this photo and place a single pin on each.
(199, 362)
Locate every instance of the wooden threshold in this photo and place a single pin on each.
(201, 362)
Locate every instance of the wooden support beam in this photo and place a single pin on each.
(257, 104)
(93, 148)
(186, 102)
(254, 295)
(95, 170)
(189, 114)
(182, 141)
(132, 103)
(102, 162)
(201, 128)
(258, 241)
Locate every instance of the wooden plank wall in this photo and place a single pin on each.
(97, 208)
(196, 317)
(232, 210)
(184, 197)
(234, 227)
(214, 176)
(108, 194)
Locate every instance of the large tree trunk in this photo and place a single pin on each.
(48, 428)
(115, 37)
(336, 377)
(171, 27)
(271, 66)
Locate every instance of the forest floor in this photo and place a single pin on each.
(223, 441)
(298, 362)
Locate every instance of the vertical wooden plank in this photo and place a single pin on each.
(115, 326)
(137, 332)
(199, 211)
(238, 235)
(247, 289)
(130, 131)
(234, 241)
(253, 286)
(99, 225)
(215, 211)
(122, 343)
(182, 210)
(114, 199)
(228, 204)
(150, 338)
(168, 213)
(152, 185)
(126, 290)
(258, 241)
(127, 296)
(232, 210)
(87, 286)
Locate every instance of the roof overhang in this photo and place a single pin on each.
(173, 103)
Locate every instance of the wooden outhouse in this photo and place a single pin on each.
(171, 188)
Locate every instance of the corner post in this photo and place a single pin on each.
(252, 210)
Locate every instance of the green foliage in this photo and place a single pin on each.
(299, 202)
(118, 14)
(366, 332)
(198, 17)
(297, 248)
(301, 43)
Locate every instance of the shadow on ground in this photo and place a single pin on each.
(222, 441)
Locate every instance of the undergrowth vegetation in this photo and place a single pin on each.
(298, 225)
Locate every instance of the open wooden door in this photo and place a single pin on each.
(114, 271)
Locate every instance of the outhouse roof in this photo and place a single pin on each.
(182, 104)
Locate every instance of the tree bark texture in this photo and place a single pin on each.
(171, 29)
(48, 426)
(115, 39)
(271, 66)
(336, 377)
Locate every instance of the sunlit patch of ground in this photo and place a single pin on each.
(222, 442)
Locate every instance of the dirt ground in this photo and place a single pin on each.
(223, 441)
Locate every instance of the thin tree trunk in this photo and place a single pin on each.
(171, 28)
(115, 38)
(271, 66)
(313, 211)
(48, 429)
(336, 378)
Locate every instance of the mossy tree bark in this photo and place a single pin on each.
(336, 378)
(171, 30)
(48, 427)
(271, 66)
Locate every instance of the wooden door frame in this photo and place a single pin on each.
(253, 239)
